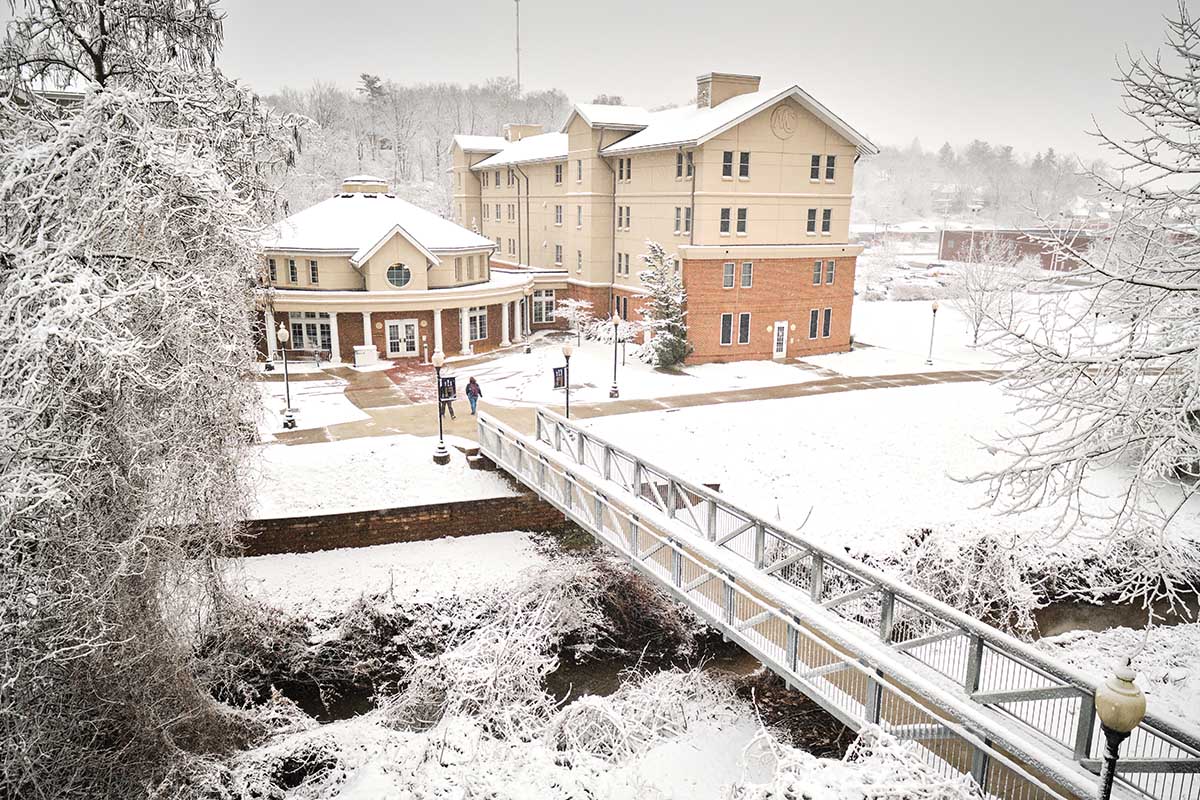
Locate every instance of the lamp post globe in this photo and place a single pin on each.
(932, 325)
(567, 350)
(1120, 705)
(440, 454)
(282, 335)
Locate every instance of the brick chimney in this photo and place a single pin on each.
(715, 88)
(516, 131)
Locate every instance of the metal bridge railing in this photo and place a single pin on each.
(1043, 696)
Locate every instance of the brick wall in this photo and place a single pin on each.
(782, 290)
(350, 334)
(412, 524)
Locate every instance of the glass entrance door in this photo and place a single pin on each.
(402, 337)
(780, 349)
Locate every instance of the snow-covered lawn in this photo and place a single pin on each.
(318, 404)
(898, 334)
(521, 378)
(872, 466)
(366, 473)
(314, 585)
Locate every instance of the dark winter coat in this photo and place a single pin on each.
(473, 390)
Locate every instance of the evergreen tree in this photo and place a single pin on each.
(669, 343)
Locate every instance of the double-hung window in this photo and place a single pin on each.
(477, 322)
(818, 271)
(812, 221)
(744, 164)
(687, 219)
(558, 254)
(747, 274)
(272, 271)
(829, 266)
(679, 164)
(512, 212)
(744, 327)
(826, 220)
(725, 221)
(726, 329)
(578, 216)
(293, 274)
(827, 323)
(558, 174)
(497, 179)
(484, 180)
(579, 170)
(543, 306)
(741, 221)
(558, 215)
(314, 276)
(691, 165)
(727, 275)
(814, 169)
(727, 164)
(814, 320)
(497, 212)
(678, 219)
(487, 209)
(829, 167)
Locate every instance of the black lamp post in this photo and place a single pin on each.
(614, 392)
(566, 351)
(1121, 706)
(440, 454)
(932, 325)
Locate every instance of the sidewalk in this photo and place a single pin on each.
(392, 412)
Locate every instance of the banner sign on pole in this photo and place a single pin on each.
(560, 377)
(446, 390)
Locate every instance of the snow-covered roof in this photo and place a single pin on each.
(543, 147)
(693, 125)
(359, 223)
(605, 116)
(480, 144)
(363, 179)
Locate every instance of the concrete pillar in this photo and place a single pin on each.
(269, 319)
(335, 345)
(437, 331)
(464, 331)
(529, 315)
(366, 315)
(504, 310)
(513, 308)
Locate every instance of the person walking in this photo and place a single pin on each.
(473, 394)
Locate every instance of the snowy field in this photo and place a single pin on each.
(361, 474)
(520, 378)
(322, 584)
(318, 404)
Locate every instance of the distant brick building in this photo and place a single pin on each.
(1041, 244)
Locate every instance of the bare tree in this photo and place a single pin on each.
(985, 279)
(577, 314)
(128, 279)
(1108, 364)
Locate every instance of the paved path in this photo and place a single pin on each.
(391, 411)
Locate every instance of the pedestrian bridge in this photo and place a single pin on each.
(869, 649)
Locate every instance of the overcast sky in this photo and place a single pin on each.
(1029, 73)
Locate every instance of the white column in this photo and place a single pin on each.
(529, 315)
(366, 315)
(437, 331)
(514, 307)
(335, 346)
(504, 310)
(464, 331)
(269, 319)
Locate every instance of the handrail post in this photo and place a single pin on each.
(873, 700)
(607, 462)
(974, 664)
(979, 766)
(581, 443)
(760, 545)
(557, 438)
(633, 536)
(537, 426)
(887, 611)
(793, 642)
(727, 598)
(1085, 724)
(816, 576)
(599, 515)
(672, 497)
(676, 564)
(712, 520)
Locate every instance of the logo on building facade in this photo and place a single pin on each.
(784, 121)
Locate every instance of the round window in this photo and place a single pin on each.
(399, 275)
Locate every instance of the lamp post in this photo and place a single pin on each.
(440, 454)
(566, 351)
(1121, 706)
(282, 335)
(932, 325)
(614, 392)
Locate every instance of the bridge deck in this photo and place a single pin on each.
(870, 650)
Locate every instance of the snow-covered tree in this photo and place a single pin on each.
(989, 275)
(1109, 364)
(577, 314)
(128, 277)
(664, 309)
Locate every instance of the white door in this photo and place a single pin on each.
(402, 338)
(780, 349)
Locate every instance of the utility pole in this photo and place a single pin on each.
(518, 3)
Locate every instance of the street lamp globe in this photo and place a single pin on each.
(935, 306)
(282, 334)
(567, 350)
(439, 359)
(1120, 704)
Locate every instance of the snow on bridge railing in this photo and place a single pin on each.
(858, 685)
(1161, 758)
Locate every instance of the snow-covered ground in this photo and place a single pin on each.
(315, 585)
(366, 473)
(872, 466)
(891, 337)
(318, 404)
(520, 378)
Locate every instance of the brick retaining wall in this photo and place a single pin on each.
(390, 525)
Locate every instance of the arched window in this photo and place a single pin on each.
(399, 275)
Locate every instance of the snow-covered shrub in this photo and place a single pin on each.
(665, 308)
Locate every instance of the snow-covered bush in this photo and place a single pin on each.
(577, 314)
(664, 309)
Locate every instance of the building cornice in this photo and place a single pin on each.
(700, 252)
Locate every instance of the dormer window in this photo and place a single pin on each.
(399, 275)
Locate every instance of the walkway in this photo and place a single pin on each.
(392, 410)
